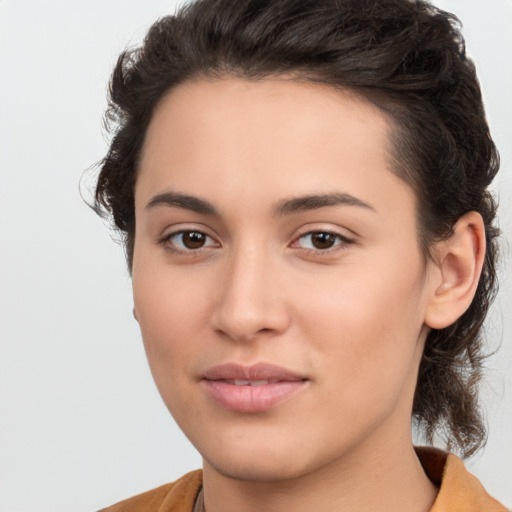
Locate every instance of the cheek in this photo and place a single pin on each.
(367, 327)
(171, 310)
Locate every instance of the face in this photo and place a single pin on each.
(277, 275)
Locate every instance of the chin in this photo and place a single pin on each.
(270, 470)
(272, 459)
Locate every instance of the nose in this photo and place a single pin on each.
(251, 302)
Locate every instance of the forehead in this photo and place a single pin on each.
(283, 105)
(238, 136)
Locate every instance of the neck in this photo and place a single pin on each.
(387, 478)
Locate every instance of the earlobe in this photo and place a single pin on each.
(459, 263)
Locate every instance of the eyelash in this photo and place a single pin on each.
(166, 241)
(341, 242)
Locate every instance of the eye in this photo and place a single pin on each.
(188, 240)
(321, 240)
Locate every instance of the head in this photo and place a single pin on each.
(403, 63)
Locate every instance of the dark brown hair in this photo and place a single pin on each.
(409, 59)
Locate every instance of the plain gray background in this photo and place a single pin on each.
(81, 423)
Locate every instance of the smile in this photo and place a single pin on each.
(251, 389)
(241, 382)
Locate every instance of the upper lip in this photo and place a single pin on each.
(259, 371)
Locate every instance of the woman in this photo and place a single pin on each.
(302, 187)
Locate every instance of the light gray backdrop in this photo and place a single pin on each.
(81, 423)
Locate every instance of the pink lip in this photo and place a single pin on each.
(254, 396)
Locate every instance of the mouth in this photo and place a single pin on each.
(243, 382)
(251, 389)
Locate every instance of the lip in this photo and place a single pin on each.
(260, 386)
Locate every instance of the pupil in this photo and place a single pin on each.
(193, 239)
(323, 240)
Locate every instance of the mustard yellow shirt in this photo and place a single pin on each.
(459, 490)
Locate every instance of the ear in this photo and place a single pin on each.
(458, 263)
(135, 314)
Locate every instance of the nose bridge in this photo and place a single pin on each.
(250, 302)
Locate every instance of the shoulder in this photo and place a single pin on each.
(459, 490)
(178, 496)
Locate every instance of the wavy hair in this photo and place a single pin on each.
(405, 56)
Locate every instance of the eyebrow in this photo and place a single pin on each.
(316, 201)
(283, 207)
(182, 201)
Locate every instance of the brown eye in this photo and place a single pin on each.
(322, 240)
(189, 240)
(193, 239)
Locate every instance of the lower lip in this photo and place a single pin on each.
(252, 398)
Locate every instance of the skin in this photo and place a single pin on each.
(352, 319)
